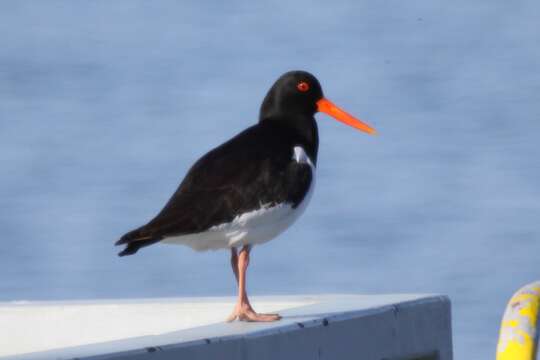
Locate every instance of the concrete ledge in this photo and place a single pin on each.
(314, 327)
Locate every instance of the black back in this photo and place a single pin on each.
(254, 168)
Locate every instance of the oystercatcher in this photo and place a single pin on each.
(248, 190)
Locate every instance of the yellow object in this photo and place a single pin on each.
(518, 337)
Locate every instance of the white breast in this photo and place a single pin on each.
(254, 227)
(300, 156)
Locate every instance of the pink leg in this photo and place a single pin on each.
(243, 310)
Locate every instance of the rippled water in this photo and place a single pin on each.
(105, 105)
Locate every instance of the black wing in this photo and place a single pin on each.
(253, 168)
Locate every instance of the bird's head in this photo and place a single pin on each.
(299, 94)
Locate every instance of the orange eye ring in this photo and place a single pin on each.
(302, 86)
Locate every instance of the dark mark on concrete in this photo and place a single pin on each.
(151, 349)
(300, 325)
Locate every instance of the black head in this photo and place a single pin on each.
(295, 93)
(295, 98)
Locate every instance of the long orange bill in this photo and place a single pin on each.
(328, 107)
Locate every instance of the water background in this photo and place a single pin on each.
(105, 105)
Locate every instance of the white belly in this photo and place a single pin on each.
(254, 227)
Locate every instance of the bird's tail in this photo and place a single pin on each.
(136, 239)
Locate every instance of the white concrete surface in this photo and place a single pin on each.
(323, 327)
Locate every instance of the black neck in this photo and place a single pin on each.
(302, 130)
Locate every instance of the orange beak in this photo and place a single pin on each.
(328, 107)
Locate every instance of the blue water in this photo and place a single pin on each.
(105, 105)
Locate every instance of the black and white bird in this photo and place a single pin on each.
(250, 189)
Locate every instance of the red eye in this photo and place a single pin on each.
(302, 86)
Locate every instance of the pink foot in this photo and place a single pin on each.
(244, 312)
